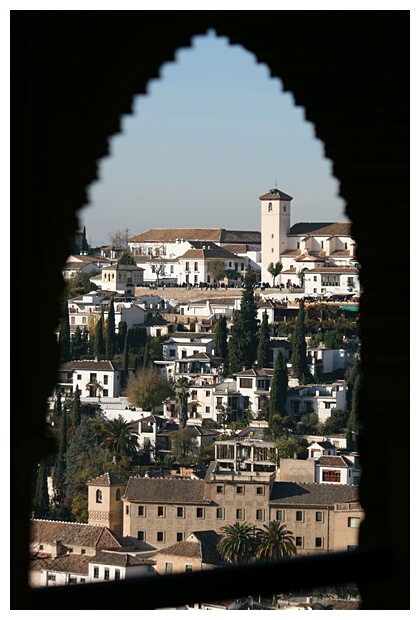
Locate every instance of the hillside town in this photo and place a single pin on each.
(207, 395)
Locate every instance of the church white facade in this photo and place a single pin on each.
(316, 256)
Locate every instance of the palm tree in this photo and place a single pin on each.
(301, 276)
(96, 387)
(274, 270)
(275, 542)
(238, 543)
(120, 438)
(182, 384)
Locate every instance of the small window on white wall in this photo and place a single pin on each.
(270, 207)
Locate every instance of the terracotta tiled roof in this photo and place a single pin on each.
(73, 534)
(70, 563)
(340, 253)
(88, 365)
(344, 605)
(241, 236)
(300, 494)
(74, 265)
(240, 247)
(117, 267)
(201, 356)
(214, 251)
(217, 235)
(187, 549)
(335, 270)
(111, 558)
(201, 545)
(310, 258)
(334, 461)
(171, 490)
(255, 372)
(321, 229)
(106, 480)
(327, 445)
(275, 194)
(169, 235)
(291, 253)
(86, 259)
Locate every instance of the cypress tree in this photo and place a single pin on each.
(122, 332)
(41, 498)
(60, 466)
(57, 410)
(220, 338)
(84, 459)
(64, 338)
(86, 346)
(125, 356)
(353, 423)
(279, 387)
(111, 344)
(299, 357)
(76, 407)
(263, 351)
(242, 347)
(99, 344)
(146, 353)
(76, 344)
(351, 382)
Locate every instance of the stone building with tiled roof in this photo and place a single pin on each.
(322, 517)
(164, 511)
(61, 550)
(197, 552)
(64, 553)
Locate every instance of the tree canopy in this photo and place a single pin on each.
(217, 269)
(148, 389)
(220, 338)
(126, 258)
(279, 386)
(184, 446)
(274, 270)
(263, 350)
(299, 357)
(243, 342)
(111, 338)
(80, 284)
(120, 438)
(275, 541)
(238, 543)
(119, 237)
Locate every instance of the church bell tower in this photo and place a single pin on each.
(275, 225)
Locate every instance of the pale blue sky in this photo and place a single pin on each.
(213, 134)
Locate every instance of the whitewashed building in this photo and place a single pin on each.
(320, 399)
(318, 256)
(87, 375)
(87, 308)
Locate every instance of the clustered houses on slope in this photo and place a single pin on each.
(164, 524)
(173, 524)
